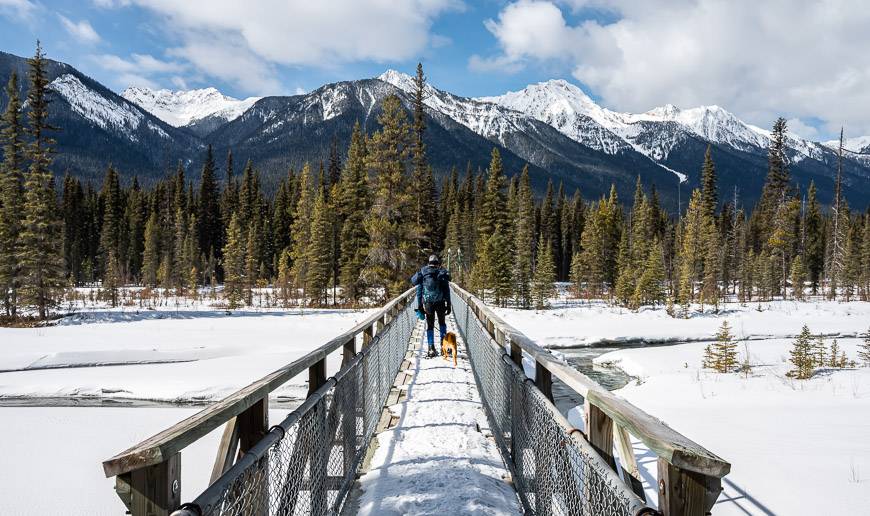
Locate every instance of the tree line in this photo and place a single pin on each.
(352, 229)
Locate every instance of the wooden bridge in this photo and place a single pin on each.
(309, 462)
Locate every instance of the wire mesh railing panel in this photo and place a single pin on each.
(307, 464)
(554, 472)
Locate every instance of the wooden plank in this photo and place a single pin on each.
(156, 489)
(663, 440)
(167, 443)
(348, 351)
(681, 492)
(631, 473)
(253, 425)
(599, 431)
(226, 450)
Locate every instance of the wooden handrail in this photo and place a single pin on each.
(665, 442)
(164, 445)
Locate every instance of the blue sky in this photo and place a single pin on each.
(751, 58)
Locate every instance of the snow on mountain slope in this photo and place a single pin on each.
(181, 108)
(100, 110)
(654, 133)
(859, 144)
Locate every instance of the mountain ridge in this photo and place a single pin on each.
(553, 126)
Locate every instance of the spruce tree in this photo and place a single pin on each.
(650, 286)
(709, 192)
(798, 278)
(391, 253)
(422, 183)
(317, 252)
(814, 230)
(151, 253)
(234, 263)
(802, 355)
(725, 349)
(252, 263)
(11, 197)
(209, 212)
(40, 256)
(355, 204)
(300, 232)
(819, 351)
(834, 356)
(524, 236)
(543, 284)
(864, 349)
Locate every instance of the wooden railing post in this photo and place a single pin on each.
(599, 432)
(544, 380)
(156, 490)
(685, 493)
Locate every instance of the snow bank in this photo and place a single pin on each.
(588, 324)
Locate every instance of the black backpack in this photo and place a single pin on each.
(432, 291)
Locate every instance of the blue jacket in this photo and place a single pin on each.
(444, 276)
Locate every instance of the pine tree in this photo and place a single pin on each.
(802, 355)
(725, 349)
(151, 253)
(834, 355)
(709, 192)
(252, 263)
(11, 197)
(234, 263)
(798, 277)
(110, 236)
(818, 351)
(650, 286)
(815, 239)
(389, 260)
(492, 209)
(422, 183)
(41, 240)
(864, 349)
(709, 359)
(317, 252)
(354, 208)
(851, 274)
(693, 248)
(524, 237)
(209, 211)
(543, 284)
(300, 232)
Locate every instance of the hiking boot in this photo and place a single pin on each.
(432, 352)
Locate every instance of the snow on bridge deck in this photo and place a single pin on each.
(439, 458)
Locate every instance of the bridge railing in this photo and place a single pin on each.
(308, 461)
(554, 471)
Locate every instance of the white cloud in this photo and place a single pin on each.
(803, 59)
(17, 9)
(138, 69)
(258, 34)
(800, 128)
(82, 31)
(108, 4)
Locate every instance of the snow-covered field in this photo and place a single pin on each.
(178, 356)
(184, 355)
(796, 447)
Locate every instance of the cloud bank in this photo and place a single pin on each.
(801, 59)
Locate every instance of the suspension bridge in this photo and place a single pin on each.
(324, 457)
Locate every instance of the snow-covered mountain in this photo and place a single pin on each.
(858, 145)
(555, 128)
(183, 108)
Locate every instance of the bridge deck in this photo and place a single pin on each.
(438, 458)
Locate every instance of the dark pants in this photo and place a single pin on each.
(433, 309)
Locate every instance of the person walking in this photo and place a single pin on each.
(433, 298)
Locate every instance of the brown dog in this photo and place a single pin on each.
(448, 343)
